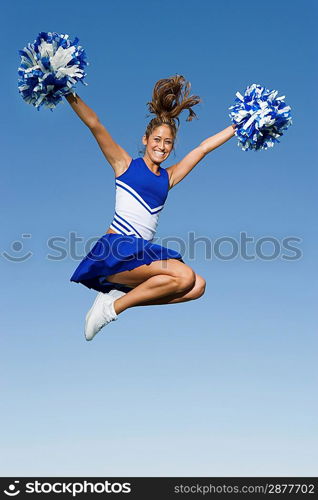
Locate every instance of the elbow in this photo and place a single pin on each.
(204, 149)
(93, 123)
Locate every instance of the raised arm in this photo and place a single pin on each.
(118, 158)
(178, 171)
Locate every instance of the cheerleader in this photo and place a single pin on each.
(125, 266)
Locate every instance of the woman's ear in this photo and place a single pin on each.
(144, 140)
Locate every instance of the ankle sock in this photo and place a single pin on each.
(113, 312)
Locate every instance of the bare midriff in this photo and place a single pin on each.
(111, 231)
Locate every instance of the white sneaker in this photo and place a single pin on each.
(100, 314)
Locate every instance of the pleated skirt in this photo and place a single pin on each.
(114, 253)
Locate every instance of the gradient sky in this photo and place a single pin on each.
(222, 386)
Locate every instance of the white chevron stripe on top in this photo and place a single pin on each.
(135, 194)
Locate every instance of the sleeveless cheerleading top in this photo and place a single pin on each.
(140, 198)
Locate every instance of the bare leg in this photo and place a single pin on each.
(194, 293)
(153, 288)
(155, 284)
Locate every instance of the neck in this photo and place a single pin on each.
(153, 166)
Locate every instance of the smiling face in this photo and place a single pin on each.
(159, 144)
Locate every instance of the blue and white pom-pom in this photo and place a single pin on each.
(260, 117)
(50, 67)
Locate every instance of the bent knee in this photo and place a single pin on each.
(186, 279)
(199, 289)
(201, 286)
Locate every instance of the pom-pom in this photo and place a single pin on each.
(50, 67)
(260, 117)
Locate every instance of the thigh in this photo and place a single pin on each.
(133, 278)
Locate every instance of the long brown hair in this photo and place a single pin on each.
(169, 98)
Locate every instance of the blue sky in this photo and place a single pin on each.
(222, 386)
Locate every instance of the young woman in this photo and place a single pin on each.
(124, 266)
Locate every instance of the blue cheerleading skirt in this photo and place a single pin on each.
(114, 253)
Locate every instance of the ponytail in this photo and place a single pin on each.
(169, 98)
